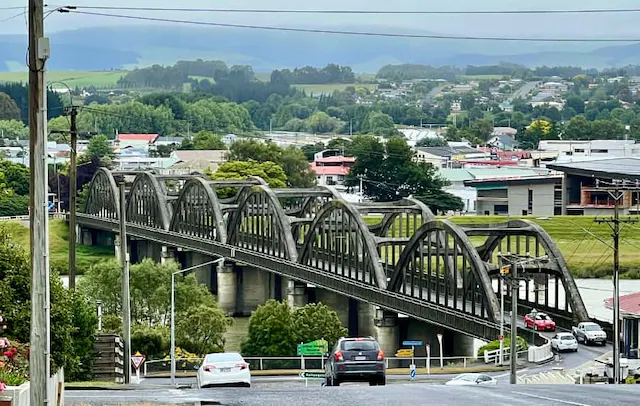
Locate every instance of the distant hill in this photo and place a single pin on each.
(102, 48)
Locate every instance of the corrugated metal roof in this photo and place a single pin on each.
(484, 173)
(609, 168)
(455, 175)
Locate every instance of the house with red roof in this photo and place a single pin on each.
(332, 170)
(142, 141)
(630, 320)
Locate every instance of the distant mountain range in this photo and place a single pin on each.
(102, 48)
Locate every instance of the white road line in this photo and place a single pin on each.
(566, 402)
(509, 373)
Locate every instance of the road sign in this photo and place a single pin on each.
(314, 348)
(504, 270)
(404, 352)
(137, 360)
(312, 375)
(412, 368)
(412, 343)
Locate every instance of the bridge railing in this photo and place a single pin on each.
(183, 365)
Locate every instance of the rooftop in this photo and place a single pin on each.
(150, 138)
(519, 180)
(606, 168)
(335, 159)
(629, 304)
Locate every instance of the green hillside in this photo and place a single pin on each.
(99, 79)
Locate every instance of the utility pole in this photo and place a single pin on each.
(514, 261)
(73, 194)
(350, 127)
(617, 190)
(126, 301)
(39, 358)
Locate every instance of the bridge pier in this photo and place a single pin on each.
(227, 282)
(86, 236)
(253, 289)
(386, 331)
(366, 315)
(167, 254)
(336, 302)
(204, 274)
(277, 287)
(453, 344)
(296, 294)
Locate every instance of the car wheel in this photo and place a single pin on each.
(382, 381)
(373, 382)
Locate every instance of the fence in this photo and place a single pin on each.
(20, 395)
(302, 363)
(26, 217)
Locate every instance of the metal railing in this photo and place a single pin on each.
(304, 363)
(26, 217)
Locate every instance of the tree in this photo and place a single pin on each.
(9, 110)
(271, 172)
(297, 169)
(380, 124)
(201, 329)
(99, 147)
(578, 128)
(315, 321)
(538, 130)
(207, 140)
(13, 129)
(16, 177)
(442, 201)
(321, 122)
(481, 130)
(271, 331)
(432, 142)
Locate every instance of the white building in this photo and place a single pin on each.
(594, 148)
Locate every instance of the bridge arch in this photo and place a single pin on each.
(103, 196)
(197, 212)
(337, 238)
(260, 223)
(438, 248)
(147, 203)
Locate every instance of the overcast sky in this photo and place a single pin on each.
(586, 25)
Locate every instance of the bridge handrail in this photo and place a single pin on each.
(26, 217)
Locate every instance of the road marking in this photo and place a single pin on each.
(566, 402)
(509, 373)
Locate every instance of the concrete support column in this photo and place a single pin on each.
(366, 315)
(167, 254)
(539, 283)
(296, 294)
(255, 288)
(86, 238)
(203, 273)
(227, 288)
(336, 302)
(386, 331)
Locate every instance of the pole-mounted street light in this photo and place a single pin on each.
(173, 309)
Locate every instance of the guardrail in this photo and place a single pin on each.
(26, 217)
(304, 363)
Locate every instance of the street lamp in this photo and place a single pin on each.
(173, 309)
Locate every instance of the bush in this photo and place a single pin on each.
(85, 322)
(153, 342)
(14, 205)
(495, 345)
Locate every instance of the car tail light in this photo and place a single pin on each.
(242, 366)
(209, 368)
(338, 356)
(380, 355)
(359, 339)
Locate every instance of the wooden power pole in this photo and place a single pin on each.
(126, 300)
(73, 194)
(39, 358)
(617, 190)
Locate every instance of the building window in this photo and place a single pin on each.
(530, 202)
(579, 150)
(599, 151)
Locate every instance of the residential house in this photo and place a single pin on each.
(511, 132)
(332, 170)
(503, 142)
(135, 140)
(593, 148)
(189, 161)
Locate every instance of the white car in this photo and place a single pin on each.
(564, 342)
(225, 368)
(472, 380)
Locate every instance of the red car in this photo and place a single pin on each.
(539, 322)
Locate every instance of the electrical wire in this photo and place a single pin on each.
(13, 8)
(344, 32)
(365, 12)
(13, 16)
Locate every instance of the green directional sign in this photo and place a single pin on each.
(312, 375)
(314, 348)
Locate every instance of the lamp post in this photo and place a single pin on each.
(173, 309)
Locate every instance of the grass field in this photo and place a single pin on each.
(585, 255)
(330, 88)
(99, 79)
(59, 246)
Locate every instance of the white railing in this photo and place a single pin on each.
(493, 357)
(302, 363)
(541, 353)
(20, 396)
(26, 217)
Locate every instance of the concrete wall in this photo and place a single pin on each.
(254, 287)
(543, 199)
(336, 302)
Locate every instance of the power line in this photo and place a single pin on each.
(13, 8)
(14, 16)
(419, 12)
(343, 32)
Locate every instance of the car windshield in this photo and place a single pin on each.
(223, 357)
(542, 317)
(592, 328)
(466, 377)
(565, 336)
(356, 345)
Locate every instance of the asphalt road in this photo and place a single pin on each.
(398, 394)
(523, 90)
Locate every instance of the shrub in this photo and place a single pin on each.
(153, 342)
(495, 345)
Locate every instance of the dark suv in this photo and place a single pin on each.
(356, 360)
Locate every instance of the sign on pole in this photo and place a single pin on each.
(404, 352)
(314, 348)
(312, 375)
(137, 359)
(412, 368)
(412, 343)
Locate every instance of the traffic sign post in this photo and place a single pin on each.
(412, 369)
(306, 375)
(412, 343)
(137, 360)
(404, 353)
(313, 349)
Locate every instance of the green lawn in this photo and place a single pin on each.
(59, 246)
(100, 79)
(330, 88)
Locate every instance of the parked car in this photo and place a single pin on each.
(472, 380)
(356, 360)
(589, 332)
(564, 342)
(226, 368)
(539, 322)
